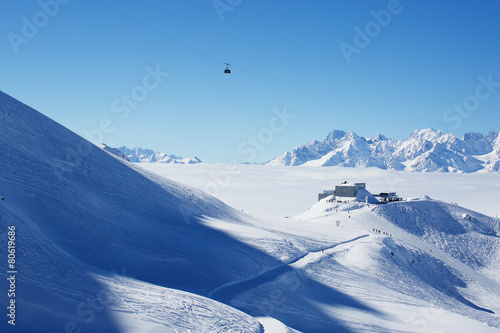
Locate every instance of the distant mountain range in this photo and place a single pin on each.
(425, 150)
(149, 156)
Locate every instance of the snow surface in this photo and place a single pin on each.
(105, 246)
(82, 215)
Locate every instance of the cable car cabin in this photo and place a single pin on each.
(227, 70)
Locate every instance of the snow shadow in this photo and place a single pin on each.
(53, 293)
(439, 276)
(80, 211)
(430, 270)
(420, 217)
(292, 297)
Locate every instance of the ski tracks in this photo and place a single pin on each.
(226, 292)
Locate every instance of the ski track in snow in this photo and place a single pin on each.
(226, 292)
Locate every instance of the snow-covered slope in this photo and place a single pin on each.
(113, 151)
(104, 246)
(82, 215)
(421, 249)
(149, 156)
(424, 150)
(415, 266)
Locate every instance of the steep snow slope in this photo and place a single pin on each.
(80, 211)
(56, 293)
(424, 150)
(67, 185)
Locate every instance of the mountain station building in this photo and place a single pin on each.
(345, 190)
(357, 191)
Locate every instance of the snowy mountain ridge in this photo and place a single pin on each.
(425, 150)
(150, 156)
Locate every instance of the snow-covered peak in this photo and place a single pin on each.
(472, 136)
(496, 143)
(428, 134)
(335, 135)
(424, 150)
(379, 137)
(150, 156)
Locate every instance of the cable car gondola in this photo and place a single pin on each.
(227, 70)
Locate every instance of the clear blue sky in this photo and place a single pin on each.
(419, 62)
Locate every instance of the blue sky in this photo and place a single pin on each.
(413, 61)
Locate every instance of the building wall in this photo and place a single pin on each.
(348, 191)
(345, 191)
(322, 195)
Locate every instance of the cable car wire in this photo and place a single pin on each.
(155, 30)
(210, 56)
(289, 58)
(329, 57)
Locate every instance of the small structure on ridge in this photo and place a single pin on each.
(349, 192)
